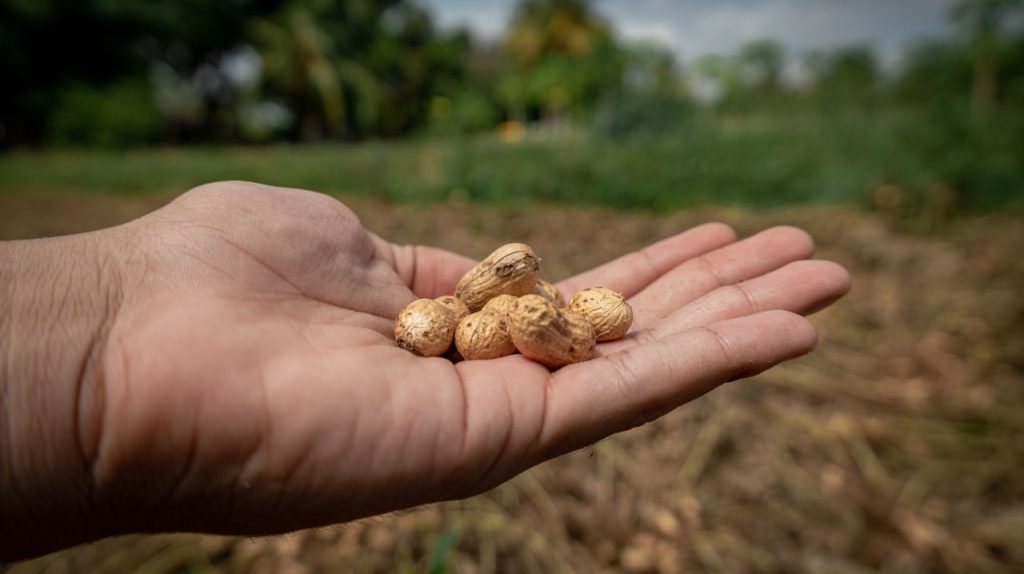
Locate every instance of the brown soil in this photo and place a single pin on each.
(896, 446)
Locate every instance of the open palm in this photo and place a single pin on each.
(250, 381)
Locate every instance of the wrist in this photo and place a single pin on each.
(59, 298)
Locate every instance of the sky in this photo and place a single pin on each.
(692, 28)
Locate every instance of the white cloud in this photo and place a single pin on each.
(693, 28)
(486, 19)
(800, 25)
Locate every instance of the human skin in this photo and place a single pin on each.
(226, 364)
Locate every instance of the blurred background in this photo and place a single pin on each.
(893, 131)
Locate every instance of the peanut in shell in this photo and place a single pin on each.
(455, 305)
(425, 328)
(512, 269)
(549, 292)
(483, 335)
(540, 331)
(608, 311)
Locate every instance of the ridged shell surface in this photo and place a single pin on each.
(543, 333)
(511, 269)
(455, 305)
(549, 292)
(483, 335)
(608, 311)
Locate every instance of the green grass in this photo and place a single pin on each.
(755, 161)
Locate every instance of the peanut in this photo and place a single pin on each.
(502, 305)
(543, 333)
(484, 335)
(608, 311)
(511, 269)
(549, 292)
(425, 327)
(455, 305)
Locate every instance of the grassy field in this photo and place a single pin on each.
(755, 161)
(895, 447)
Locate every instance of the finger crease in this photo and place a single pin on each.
(648, 260)
(712, 271)
(725, 349)
(749, 297)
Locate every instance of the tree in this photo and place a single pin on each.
(341, 64)
(651, 100)
(763, 61)
(983, 22)
(54, 47)
(298, 64)
(717, 78)
(542, 28)
(936, 71)
(562, 56)
(845, 74)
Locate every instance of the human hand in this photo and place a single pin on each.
(247, 381)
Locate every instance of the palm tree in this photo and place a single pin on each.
(296, 61)
(330, 95)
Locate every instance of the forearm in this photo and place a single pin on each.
(58, 298)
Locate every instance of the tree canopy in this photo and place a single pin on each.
(125, 72)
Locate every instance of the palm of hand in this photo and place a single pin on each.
(254, 384)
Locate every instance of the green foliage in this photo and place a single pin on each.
(935, 73)
(845, 76)
(119, 115)
(336, 65)
(563, 57)
(440, 556)
(763, 61)
(979, 158)
(602, 122)
(49, 46)
(758, 161)
(466, 111)
(543, 28)
(632, 114)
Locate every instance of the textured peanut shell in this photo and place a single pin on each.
(512, 269)
(549, 292)
(606, 310)
(502, 305)
(455, 305)
(543, 333)
(425, 327)
(483, 335)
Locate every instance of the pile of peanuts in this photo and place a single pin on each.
(503, 305)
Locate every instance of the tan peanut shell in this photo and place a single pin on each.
(606, 310)
(511, 269)
(549, 292)
(503, 305)
(425, 327)
(584, 339)
(455, 305)
(483, 335)
(540, 331)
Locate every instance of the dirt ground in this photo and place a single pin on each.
(897, 446)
